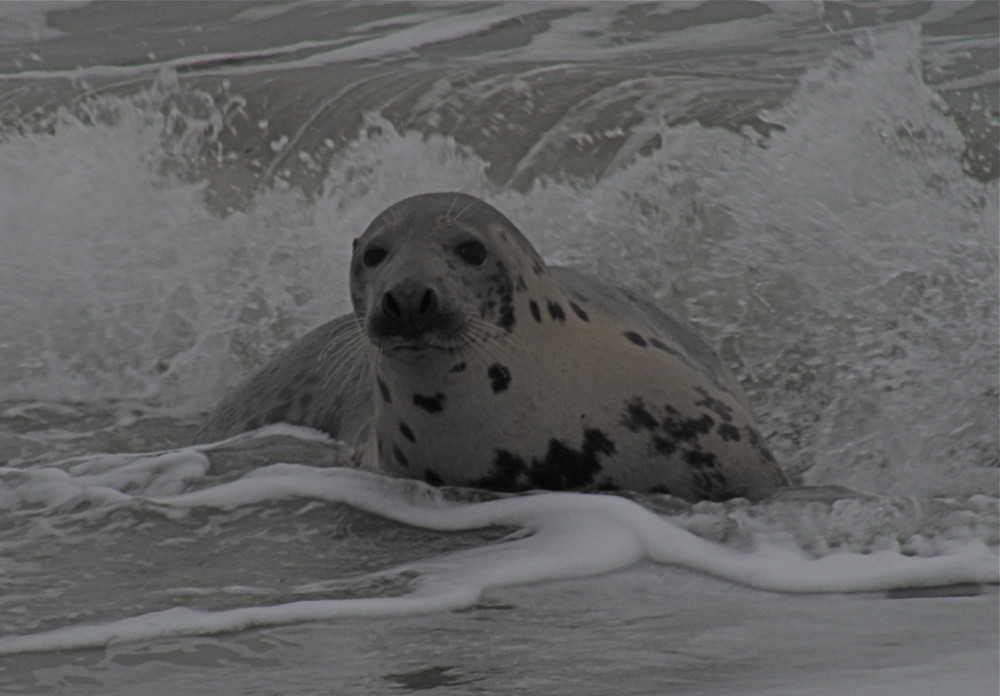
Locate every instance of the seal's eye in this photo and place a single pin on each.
(473, 253)
(374, 256)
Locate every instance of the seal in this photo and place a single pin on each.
(469, 362)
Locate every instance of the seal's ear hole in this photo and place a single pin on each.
(374, 256)
(473, 253)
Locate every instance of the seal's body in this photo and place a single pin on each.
(468, 362)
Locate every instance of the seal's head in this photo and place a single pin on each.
(437, 272)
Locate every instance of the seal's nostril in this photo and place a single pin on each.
(390, 305)
(429, 302)
(410, 308)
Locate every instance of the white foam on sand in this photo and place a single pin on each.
(569, 536)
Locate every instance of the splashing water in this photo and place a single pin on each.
(813, 187)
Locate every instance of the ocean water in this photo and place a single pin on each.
(814, 185)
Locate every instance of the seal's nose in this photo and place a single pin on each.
(409, 309)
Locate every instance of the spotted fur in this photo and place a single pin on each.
(635, 339)
(469, 362)
(407, 432)
(431, 404)
(384, 391)
(556, 312)
(578, 311)
(536, 313)
(660, 345)
(499, 378)
(561, 467)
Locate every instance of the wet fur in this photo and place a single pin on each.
(544, 378)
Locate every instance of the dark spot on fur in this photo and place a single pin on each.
(538, 268)
(460, 367)
(556, 312)
(507, 320)
(384, 390)
(499, 377)
(664, 446)
(505, 474)
(712, 485)
(400, 457)
(407, 433)
(431, 404)
(660, 489)
(674, 430)
(535, 311)
(578, 310)
(700, 460)
(660, 345)
(431, 477)
(635, 338)
(728, 432)
(521, 285)
(685, 429)
(505, 290)
(719, 408)
(636, 416)
(562, 467)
